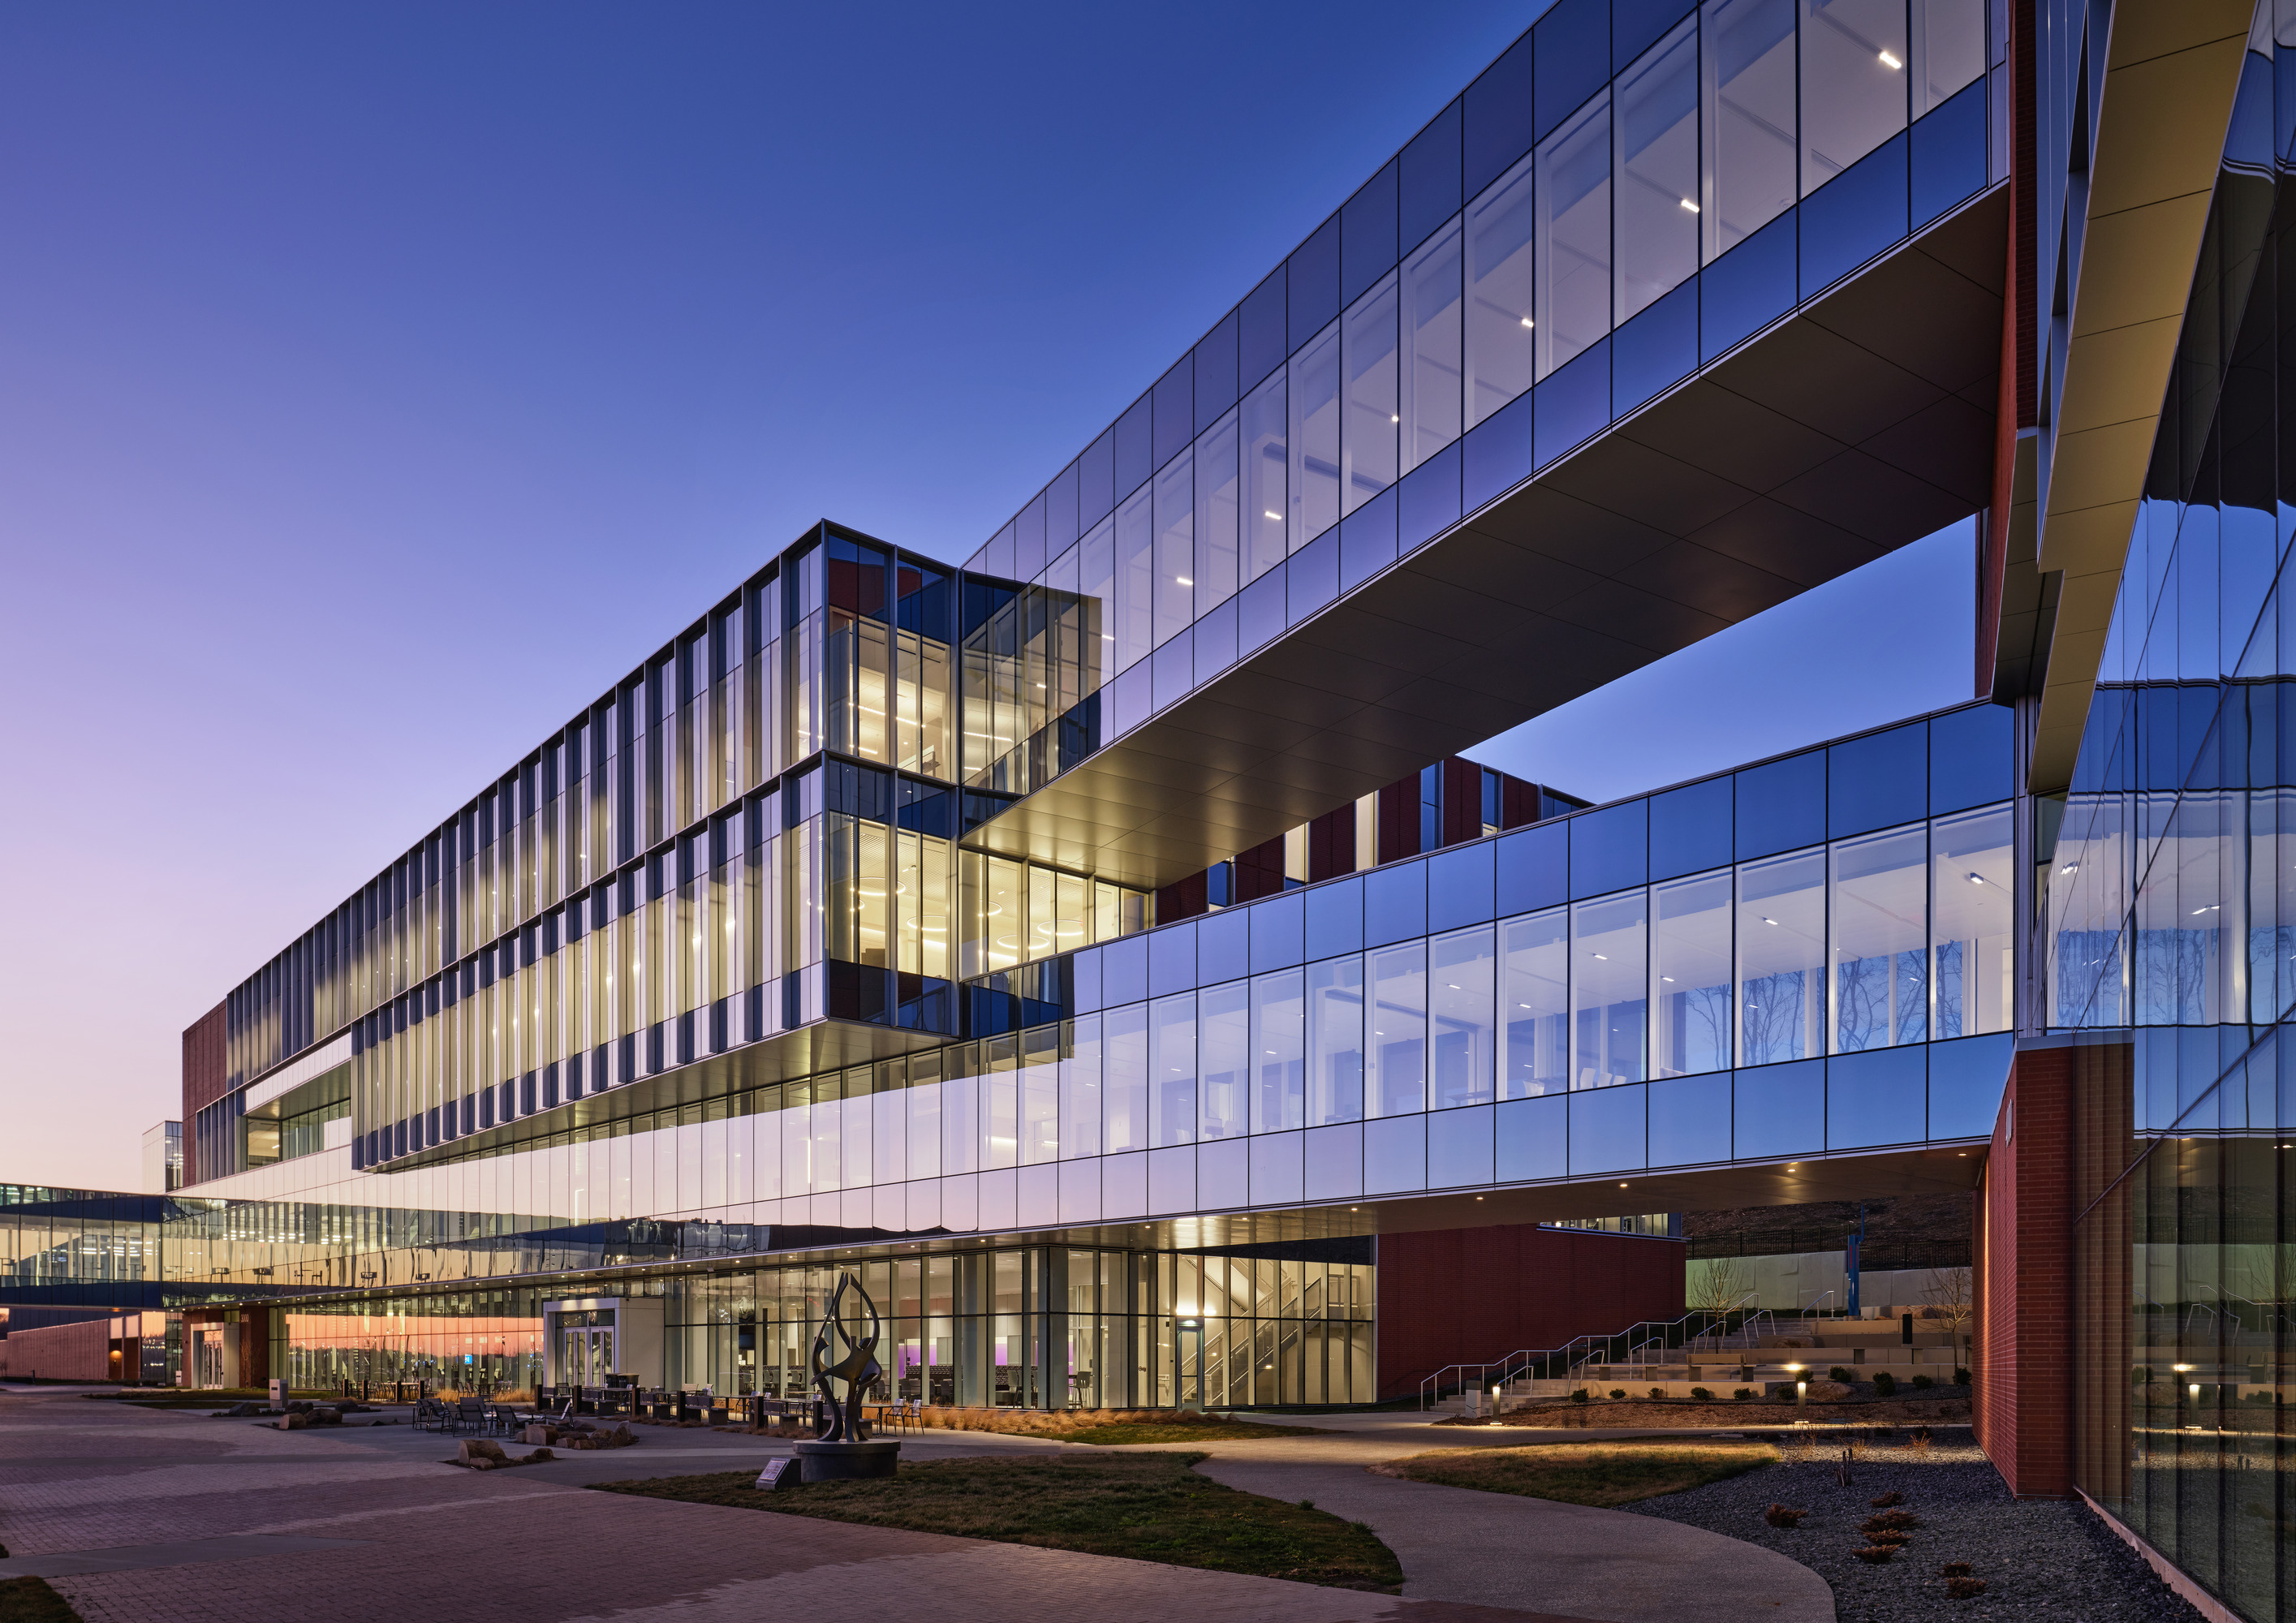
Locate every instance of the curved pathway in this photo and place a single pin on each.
(1465, 1546)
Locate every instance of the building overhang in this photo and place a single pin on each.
(1856, 425)
(2171, 73)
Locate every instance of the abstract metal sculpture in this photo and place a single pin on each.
(858, 1369)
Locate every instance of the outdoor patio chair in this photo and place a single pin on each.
(471, 1414)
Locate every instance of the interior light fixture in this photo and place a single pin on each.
(1977, 879)
(1183, 579)
(1890, 61)
(1687, 204)
(1770, 921)
(1527, 321)
(1392, 417)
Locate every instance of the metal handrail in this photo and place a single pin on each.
(1579, 1351)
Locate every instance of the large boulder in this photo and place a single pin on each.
(483, 1452)
(1827, 1391)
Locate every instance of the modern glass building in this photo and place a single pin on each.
(1100, 945)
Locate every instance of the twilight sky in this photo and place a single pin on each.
(379, 383)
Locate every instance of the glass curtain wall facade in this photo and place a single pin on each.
(1552, 250)
(2166, 880)
(1032, 1326)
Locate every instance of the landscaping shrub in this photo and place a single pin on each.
(1922, 1383)
(1578, 1395)
(1885, 1384)
(1618, 1392)
(1745, 1394)
(1779, 1516)
(1890, 1521)
(1887, 1499)
(1702, 1394)
(1658, 1394)
(1960, 1377)
(1840, 1374)
(1964, 1588)
(1888, 1538)
(1874, 1554)
(1955, 1569)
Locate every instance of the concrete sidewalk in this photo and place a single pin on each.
(145, 1514)
(1488, 1549)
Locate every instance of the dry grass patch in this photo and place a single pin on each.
(1586, 1473)
(1144, 1506)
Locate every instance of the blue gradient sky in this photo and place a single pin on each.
(377, 384)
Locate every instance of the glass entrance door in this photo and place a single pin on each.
(601, 1357)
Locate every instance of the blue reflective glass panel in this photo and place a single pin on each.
(1610, 848)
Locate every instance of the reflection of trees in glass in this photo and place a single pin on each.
(1884, 1001)
(2087, 976)
(1698, 1035)
(1775, 1016)
(2175, 969)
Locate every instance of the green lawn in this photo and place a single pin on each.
(1587, 1474)
(1144, 1506)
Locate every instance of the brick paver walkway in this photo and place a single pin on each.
(441, 1544)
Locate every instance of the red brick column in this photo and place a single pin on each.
(2024, 1341)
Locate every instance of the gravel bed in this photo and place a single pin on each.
(2040, 1558)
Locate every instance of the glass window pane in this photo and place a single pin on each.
(1607, 991)
(1079, 1090)
(1367, 363)
(1501, 293)
(1949, 49)
(1335, 1041)
(1225, 1036)
(1124, 1081)
(1853, 83)
(1172, 1070)
(1574, 236)
(1747, 103)
(1690, 975)
(1176, 546)
(1396, 1047)
(2271, 906)
(1880, 940)
(1973, 975)
(1262, 432)
(1462, 1043)
(1781, 959)
(1657, 165)
(1096, 581)
(1430, 371)
(1216, 514)
(1134, 621)
(1040, 1077)
(1314, 437)
(1536, 987)
(1278, 1052)
(1004, 923)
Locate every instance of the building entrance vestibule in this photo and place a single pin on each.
(586, 1350)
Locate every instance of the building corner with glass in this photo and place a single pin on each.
(1104, 950)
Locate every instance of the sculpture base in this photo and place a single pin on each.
(841, 1462)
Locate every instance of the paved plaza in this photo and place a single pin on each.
(140, 1515)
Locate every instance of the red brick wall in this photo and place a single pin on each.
(2024, 1373)
(59, 1352)
(1466, 1295)
(203, 1081)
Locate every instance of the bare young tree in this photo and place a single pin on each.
(1949, 1293)
(1719, 1284)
